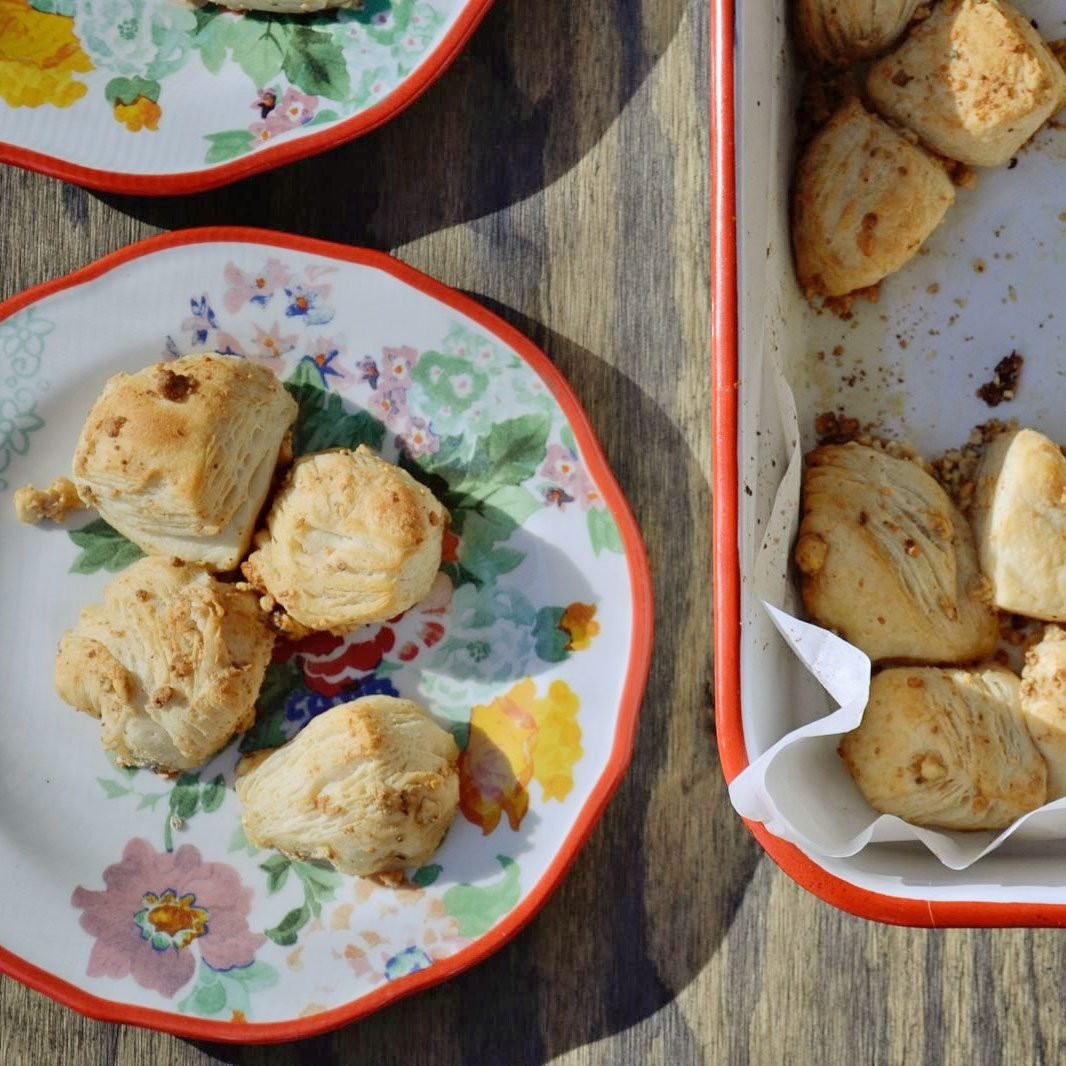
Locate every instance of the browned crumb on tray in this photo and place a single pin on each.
(841, 306)
(1004, 383)
(834, 427)
(34, 505)
(956, 469)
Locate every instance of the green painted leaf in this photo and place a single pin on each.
(323, 422)
(211, 37)
(228, 145)
(514, 501)
(551, 640)
(324, 116)
(112, 788)
(268, 732)
(320, 881)
(209, 998)
(151, 800)
(513, 449)
(54, 7)
(102, 548)
(566, 435)
(315, 63)
(239, 842)
(213, 793)
(259, 45)
(277, 870)
(185, 796)
(287, 930)
(126, 90)
(478, 908)
(426, 875)
(603, 533)
(255, 977)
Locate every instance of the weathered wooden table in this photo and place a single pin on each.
(559, 173)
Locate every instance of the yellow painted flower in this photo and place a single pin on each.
(558, 740)
(142, 114)
(578, 623)
(514, 739)
(39, 55)
(497, 763)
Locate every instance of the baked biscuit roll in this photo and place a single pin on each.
(179, 456)
(1019, 522)
(171, 663)
(887, 561)
(838, 33)
(350, 539)
(975, 81)
(1043, 701)
(865, 199)
(370, 786)
(946, 748)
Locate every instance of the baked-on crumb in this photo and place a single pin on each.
(956, 469)
(54, 503)
(1004, 383)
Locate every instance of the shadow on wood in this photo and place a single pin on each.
(535, 88)
(656, 893)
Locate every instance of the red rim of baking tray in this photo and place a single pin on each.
(192, 181)
(726, 559)
(629, 708)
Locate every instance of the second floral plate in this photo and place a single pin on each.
(111, 93)
(150, 907)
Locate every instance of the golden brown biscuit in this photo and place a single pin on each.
(350, 539)
(1043, 702)
(1019, 523)
(179, 456)
(838, 33)
(865, 199)
(946, 748)
(370, 786)
(975, 81)
(54, 503)
(887, 560)
(171, 662)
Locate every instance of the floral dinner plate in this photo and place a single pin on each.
(174, 96)
(148, 904)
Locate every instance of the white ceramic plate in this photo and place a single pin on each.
(141, 900)
(164, 96)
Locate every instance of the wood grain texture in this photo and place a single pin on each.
(559, 173)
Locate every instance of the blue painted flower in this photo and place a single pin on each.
(325, 358)
(368, 371)
(201, 321)
(408, 961)
(304, 303)
(303, 705)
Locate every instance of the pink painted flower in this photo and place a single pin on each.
(155, 907)
(571, 481)
(272, 343)
(324, 355)
(296, 108)
(255, 288)
(396, 366)
(390, 405)
(227, 344)
(416, 437)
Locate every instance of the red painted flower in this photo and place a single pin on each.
(331, 664)
(155, 906)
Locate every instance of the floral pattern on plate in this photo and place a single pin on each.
(144, 68)
(516, 648)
